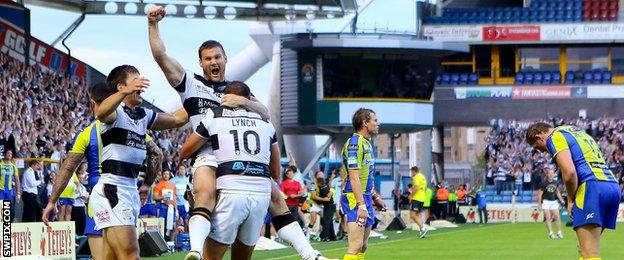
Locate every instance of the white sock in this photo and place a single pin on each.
(199, 228)
(293, 234)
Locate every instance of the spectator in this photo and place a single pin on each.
(165, 196)
(33, 177)
(317, 202)
(66, 199)
(443, 203)
(181, 183)
(482, 206)
(9, 180)
(461, 195)
(292, 192)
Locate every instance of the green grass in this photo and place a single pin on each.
(471, 241)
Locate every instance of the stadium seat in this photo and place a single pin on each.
(528, 78)
(497, 199)
(438, 79)
(556, 77)
(463, 79)
(490, 187)
(454, 79)
(519, 78)
(606, 77)
(597, 77)
(569, 77)
(537, 78)
(446, 79)
(587, 77)
(506, 198)
(473, 79)
(506, 193)
(547, 80)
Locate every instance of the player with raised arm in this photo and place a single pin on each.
(357, 198)
(115, 199)
(593, 192)
(246, 149)
(199, 93)
(88, 145)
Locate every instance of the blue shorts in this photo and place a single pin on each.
(7, 195)
(66, 201)
(148, 210)
(596, 202)
(349, 207)
(90, 224)
(182, 212)
(267, 218)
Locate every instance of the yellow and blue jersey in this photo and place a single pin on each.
(8, 174)
(357, 154)
(89, 143)
(588, 159)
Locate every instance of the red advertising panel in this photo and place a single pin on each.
(539, 92)
(13, 44)
(511, 33)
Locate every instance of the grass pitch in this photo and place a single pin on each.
(469, 241)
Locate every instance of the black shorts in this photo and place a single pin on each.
(417, 206)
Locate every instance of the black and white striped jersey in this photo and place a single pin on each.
(241, 141)
(124, 146)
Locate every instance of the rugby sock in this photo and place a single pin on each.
(199, 228)
(360, 256)
(290, 231)
(350, 257)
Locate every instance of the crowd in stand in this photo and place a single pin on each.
(513, 165)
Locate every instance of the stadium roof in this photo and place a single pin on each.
(217, 9)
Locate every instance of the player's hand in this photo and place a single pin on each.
(231, 100)
(138, 83)
(155, 14)
(570, 206)
(18, 198)
(362, 215)
(539, 206)
(50, 209)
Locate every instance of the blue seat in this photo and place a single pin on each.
(597, 77)
(438, 79)
(587, 77)
(473, 79)
(519, 78)
(506, 193)
(569, 77)
(606, 77)
(547, 78)
(463, 78)
(489, 192)
(506, 198)
(537, 78)
(527, 193)
(527, 199)
(446, 79)
(556, 78)
(454, 79)
(490, 187)
(528, 78)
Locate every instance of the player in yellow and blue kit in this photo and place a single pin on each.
(357, 197)
(593, 192)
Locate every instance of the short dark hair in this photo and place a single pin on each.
(534, 130)
(100, 91)
(414, 169)
(238, 88)
(209, 44)
(120, 74)
(361, 115)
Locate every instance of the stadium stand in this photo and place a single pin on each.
(542, 11)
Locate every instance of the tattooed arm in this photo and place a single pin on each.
(154, 162)
(68, 167)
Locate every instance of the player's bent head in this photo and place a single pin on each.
(209, 44)
(100, 91)
(238, 88)
(120, 74)
(361, 116)
(414, 169)
(534, 131)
